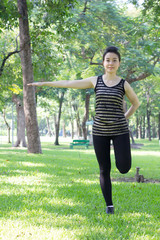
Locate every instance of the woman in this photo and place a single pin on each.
(110, 121)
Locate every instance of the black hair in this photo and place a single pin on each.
(112, 49)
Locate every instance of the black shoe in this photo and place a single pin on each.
(110, 210)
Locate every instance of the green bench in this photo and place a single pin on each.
(79, 143)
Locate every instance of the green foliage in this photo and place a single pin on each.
(11, 76)
(52, 14)
(67, 37)
(148, 93)
(150, 8)
(8, 13)
(15, 89)
(41, 14)
(149, 87)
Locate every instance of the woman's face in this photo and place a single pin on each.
(111, 62)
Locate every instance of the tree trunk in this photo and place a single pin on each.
(149, 125)
(8, 127)
(131, 135)
(57, 123)
(48, 126)
(159, 126)
(64, 130)
(20, 122)
(34, 145)
(148, 117)
(140, 127)
(72, 129)
(79, 131)
(71, 118)
(86, 115)
(144, 127)
(137, 126)
(154, 129)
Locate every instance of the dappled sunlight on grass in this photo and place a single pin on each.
(30, 164)
(117, 183)
(146, 153)
(24, 180)
(139, 222)
(87, 181)
(85, 151)
(24, 177)
(137, 216)
(13, 152)
(20, 230)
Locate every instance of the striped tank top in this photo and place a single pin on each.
(109, 118)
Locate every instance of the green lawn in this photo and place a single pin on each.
(56, 195)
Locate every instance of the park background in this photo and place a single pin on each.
(56, 194)
(70, 46)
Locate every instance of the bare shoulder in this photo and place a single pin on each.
(127, 87)
(130, 93)
(94, 80)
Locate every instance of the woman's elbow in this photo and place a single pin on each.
(137, 104)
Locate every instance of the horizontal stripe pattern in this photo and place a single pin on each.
(109, 119)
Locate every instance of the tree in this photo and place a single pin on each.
(20, 122)
(147, 116)
(11, 74)
(83, 52)
(140, 55)
(159, 125)
(149, 7)
(57, 119)
(45, 17)
(7, 124)
(29, 101)
(102, 24)
(86, 115)
(6, 57)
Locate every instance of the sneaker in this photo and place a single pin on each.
(110, 210)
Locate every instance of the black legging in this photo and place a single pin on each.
(122, 152)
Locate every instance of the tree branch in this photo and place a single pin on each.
(142, 75)
(84, 10)
(92, 63)
(4, 117)
(9, 55)
(129, 72)
(85, 7)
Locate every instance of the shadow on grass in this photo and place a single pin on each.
(80, 198)
(77, 205)
(60, 189)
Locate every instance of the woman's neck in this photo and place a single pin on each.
(110, 76)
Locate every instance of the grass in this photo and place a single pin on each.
(57, 196)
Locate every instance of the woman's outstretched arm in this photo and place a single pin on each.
(77, 84)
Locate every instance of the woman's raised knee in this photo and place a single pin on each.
(124, 169)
